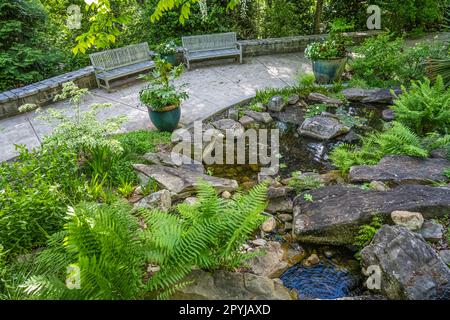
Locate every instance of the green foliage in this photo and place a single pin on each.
(25, 53)
(264, 96)
(410, 15)
(307, 80)
(301, 182)
(315, 110)
(34, 193)
(378, 59)
(208, 234)
(104, 247)
(425, 107)
(161, 92)
(335, 46)
(308, 197)
(348, 120)
(384, 61)
(440, 67)
(126, 188)
(82, 131)
(367, 231)
(167, 48)
(398, 139)
(105, 25)
(283, 18)
(139, 142)
(447, 173)
(102, 253)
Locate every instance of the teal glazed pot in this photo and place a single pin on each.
(166, 119)
(328, 71)
(169, 58)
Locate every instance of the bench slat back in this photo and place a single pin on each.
(210, 41)
(115, 58)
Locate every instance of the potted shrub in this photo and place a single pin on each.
(330, 56)
(167, 51)
(161, 96)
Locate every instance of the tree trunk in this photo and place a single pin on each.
(318, 16)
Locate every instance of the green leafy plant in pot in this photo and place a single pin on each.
(167, 51)
(330, 56)
(161, 96)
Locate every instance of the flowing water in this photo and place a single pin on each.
(325, 280)
(329, 279)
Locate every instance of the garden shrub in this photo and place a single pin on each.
(384, 61)
(111, 250)
(34, 193)
(425, 107)
(412, 15)
(26, 55)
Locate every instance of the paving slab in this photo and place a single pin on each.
(212, 87)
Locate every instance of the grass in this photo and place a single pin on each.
(135, 144)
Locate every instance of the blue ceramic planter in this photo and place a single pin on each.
(328, 71)
(169, 58)
(167, 119)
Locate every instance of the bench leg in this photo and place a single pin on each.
(188, 64)
(108, 87)
(98, 82)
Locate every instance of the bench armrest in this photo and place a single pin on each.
(97, 68)
(239, 45)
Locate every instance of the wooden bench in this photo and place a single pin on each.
(211, 46)
(117, 63)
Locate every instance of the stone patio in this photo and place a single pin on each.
(211, 88)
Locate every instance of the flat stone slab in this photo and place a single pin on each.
(336, 212)
(401, 170)
(165, 159)
(322, 128)
(321, 98)
(410, 268)
(181, 181)
(383, 96)
(229, 126)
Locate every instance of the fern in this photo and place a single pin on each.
(103, 242)
(398, 140)
(424, 108)
(110, 249)
(367, 231)
(207, 234)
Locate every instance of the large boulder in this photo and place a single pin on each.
(398, 169)
(322, 128)
(410, 268)
(336, 212)
(180, 181)
(166, 159)
(224, 285)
